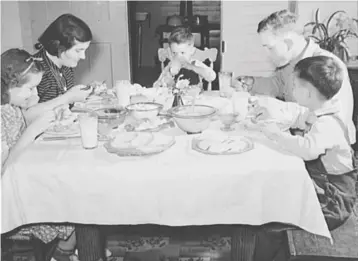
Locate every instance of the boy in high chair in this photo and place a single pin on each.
(183, 63)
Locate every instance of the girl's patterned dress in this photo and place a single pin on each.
(12, 126)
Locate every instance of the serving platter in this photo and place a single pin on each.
(129, 144)
(229, 145)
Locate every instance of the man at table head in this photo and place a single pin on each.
(283, 38)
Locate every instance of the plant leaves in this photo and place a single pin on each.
(316, 16)
(332, 15)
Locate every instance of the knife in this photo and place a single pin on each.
(60, 138)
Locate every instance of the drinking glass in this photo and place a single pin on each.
(122, 89)
(89, 129)
(228, 119)
(225, 79)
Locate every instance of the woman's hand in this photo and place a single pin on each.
(78, 93)
(42, 123)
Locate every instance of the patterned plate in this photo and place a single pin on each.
(222, 145)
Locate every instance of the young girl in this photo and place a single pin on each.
(19, 78)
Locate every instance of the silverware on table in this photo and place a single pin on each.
(60, 138)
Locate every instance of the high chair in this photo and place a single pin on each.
(200, 55)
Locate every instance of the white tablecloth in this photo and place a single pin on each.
(58, 181)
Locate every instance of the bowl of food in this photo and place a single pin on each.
(109, 119)
(193, 119)
(144, 110)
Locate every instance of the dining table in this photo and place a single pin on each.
(59, 181)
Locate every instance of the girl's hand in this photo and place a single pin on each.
(78, 93)
(42, 123)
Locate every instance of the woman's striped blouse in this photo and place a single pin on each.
(55, 81)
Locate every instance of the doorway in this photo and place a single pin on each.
(146, 69)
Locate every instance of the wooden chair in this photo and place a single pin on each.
(200, 55)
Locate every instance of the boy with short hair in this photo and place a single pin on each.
(324, 144)
(181, 43)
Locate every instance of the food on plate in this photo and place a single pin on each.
(132, 140)
(100, 89)
(139, 143)
(150, 125)
(64, 117)
(222, 145)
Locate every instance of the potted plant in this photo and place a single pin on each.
(333, 34)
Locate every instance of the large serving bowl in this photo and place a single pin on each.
(144, 110)
(193, 118)
(110, 118)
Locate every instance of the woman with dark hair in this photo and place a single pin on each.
(62, 45)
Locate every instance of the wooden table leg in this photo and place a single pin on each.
(243, 243)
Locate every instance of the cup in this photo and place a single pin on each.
(225, 79)
(240, 102)
(122, 89)
(89, 129)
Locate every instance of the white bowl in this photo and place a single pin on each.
(144, 110)
(193, 119)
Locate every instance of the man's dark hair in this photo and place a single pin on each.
(323, 72)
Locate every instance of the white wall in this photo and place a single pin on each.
(307, 9)
(10, 25)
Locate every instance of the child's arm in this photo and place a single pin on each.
(290, 113)
(8, 154)
(313, 144)
(76, 93)
(202, 70)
